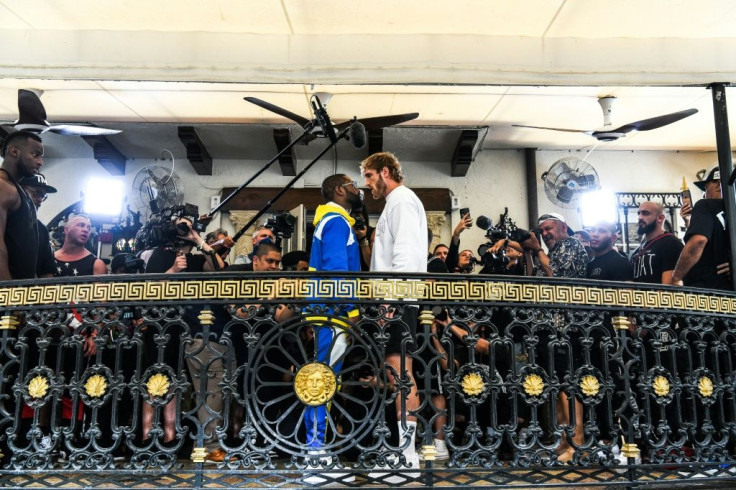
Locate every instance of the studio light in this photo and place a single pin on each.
(598, 206)
(103, 197)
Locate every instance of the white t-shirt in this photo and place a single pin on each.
(401, 234)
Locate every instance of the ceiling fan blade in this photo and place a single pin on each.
(380, 122)
(30, 108)
(79, 130)
(301, 121)
(654, 122)
(583, 131)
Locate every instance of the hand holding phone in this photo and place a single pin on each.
(465, 217)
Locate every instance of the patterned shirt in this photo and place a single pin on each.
(567, 258)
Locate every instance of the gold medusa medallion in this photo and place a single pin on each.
(315, 384)
(589, 385)
(96, 386)
(705, 386)
(533, 385)
(661, 386)
(38, 387)
(473, 384)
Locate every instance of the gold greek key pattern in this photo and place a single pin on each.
(363, 289)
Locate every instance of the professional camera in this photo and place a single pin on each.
(129, 262)
(161, 229)
(282, 224)
(505, 229)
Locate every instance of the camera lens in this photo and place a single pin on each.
(182, 229)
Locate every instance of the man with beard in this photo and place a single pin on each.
(334, 248)
(704, 261)
(566, 256)
(655, 259)
(400, 246)
(607, 263)
(37, 188)
(22, 153)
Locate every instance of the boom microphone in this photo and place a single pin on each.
(484, 223)
(323, 119)
(357, 135)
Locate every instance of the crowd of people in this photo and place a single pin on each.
(344, 241)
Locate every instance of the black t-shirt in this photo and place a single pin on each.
(655, 257)
(162, 259)
(611, 266)
(709, 220)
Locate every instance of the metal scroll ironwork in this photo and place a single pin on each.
(221, 380)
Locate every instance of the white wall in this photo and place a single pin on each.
(495, 179)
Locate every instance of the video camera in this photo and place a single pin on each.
(161, 229)
(506, 229)
(281, 224)
(129, 262)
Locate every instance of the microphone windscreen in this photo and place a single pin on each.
(357, 135)
(483, 222)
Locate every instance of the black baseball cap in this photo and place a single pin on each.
(37, 180)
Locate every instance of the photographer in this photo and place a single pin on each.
(453, 257)
(513, 252)
(504, 253)
(178, 258)
(221, 242)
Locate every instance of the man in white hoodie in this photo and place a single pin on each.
(400, 246)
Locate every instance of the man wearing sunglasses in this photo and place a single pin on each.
(38, 190)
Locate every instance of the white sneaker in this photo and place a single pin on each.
(400, 475)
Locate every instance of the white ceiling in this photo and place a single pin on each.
(147, 66)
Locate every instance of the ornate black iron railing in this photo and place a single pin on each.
(149, 378)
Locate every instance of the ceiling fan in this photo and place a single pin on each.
(32, 117)
(322, 99)
(605, 134)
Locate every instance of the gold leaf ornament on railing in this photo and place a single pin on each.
(96, 386)
(158, 385)
(533, 385)
(589, 385)
(473, 384)
(661, 386)
(38, 387)
(705, 386)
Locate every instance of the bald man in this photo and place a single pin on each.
(656, 257)
(72, 259)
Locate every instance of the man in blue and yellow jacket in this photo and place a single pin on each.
(334, 248)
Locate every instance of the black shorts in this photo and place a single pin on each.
(399, 330)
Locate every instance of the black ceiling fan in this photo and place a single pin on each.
(32, 117)
(606, 104)
(370, 123)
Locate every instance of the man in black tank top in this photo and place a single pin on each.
(37, 189)
(22, 153)
(72, 259)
